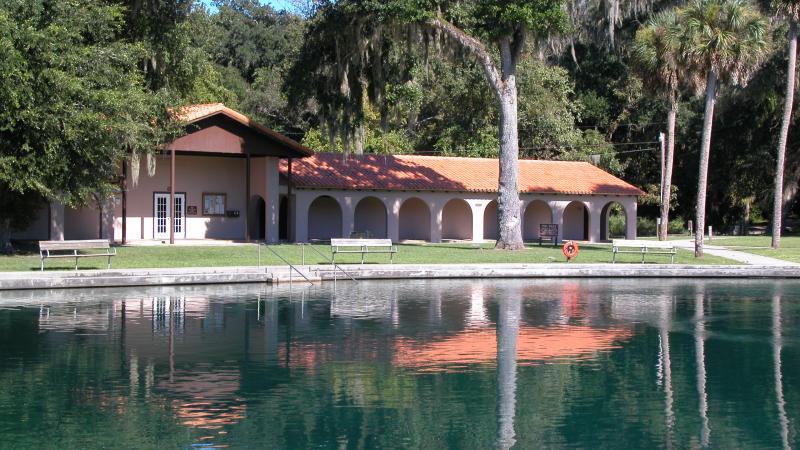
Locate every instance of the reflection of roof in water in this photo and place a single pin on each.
(534, 344)
(206, 400)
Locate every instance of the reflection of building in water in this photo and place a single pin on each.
(534, 344)
(206, 397)
(476, 317)
(97, 318)
(163, 312)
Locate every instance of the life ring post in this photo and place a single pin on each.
(570, 250)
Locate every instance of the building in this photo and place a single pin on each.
(432, 198)
(234, 179)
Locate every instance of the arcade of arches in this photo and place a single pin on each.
(454, 216)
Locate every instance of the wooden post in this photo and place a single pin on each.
(124, 189)
(289, 208)
(171, 207)
(247, 199)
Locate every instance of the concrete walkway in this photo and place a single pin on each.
(742, 257)
(318, 273)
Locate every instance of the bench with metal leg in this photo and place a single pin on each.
(88, 248)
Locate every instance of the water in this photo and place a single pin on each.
(412, 364)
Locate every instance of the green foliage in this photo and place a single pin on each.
(728, 37)
(74, 99)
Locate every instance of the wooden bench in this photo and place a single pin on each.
(548, 231)
(642, 247)
(363, 246)
(70, 249)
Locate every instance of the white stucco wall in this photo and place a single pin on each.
(536, 213)
(39, 229)
(490, 230)
(415, 220)
(457, 220)
(324, 218)
(448, 222)
(195, 175)
(370, 218)
(398, 215)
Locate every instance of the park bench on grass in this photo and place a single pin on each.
(363, 246)
(548, 231)
(642, 247)
(70, 249)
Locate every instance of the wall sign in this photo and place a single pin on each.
(191, 210)
(214, 204)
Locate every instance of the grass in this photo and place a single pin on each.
(761, 245)
(247, 255)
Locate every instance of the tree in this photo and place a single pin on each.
(791, 10)
(722, 41)
(74, 102)
(656, 50)
(481, 28)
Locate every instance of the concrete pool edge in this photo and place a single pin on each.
(281, 274)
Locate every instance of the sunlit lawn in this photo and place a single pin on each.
(248, 255)
(761, 245)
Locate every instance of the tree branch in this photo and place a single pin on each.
(473, 45)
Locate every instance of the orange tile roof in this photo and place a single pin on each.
(569, 342)
(194, 113)
(438, 173)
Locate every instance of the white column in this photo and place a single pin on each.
(348, 205)
(56, 221)
(595, 210)
(436, 221)
(393, 218)
(630, 219)
(272, 200)
(558, 216)
(302, 200)
(477, 209)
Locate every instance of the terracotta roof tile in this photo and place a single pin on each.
(437, 173)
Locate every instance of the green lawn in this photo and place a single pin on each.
(761, 245)
(247, 255)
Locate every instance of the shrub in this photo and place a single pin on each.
(645, 226)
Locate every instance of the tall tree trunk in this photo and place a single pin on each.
(705, 150)
(670, 156)
(508, 205)
(504, 85)
(777, 204)
(508, 320)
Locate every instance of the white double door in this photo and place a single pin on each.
(162, 217)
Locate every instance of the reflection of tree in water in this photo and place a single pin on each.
(433, 372)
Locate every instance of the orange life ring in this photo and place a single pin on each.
(570, 249)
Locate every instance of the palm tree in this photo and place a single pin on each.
(657, 53)
(723, 41)
(791, 10)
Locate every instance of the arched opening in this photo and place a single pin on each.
(257, 217)
(415, 220)
(283, 219)
(490, 230)
(457, 220)
(575, 222)
(324, 218)
(370, 218)
(613, 222)
(536, 213)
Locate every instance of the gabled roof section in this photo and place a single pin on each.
(437, 173)
(201, 113)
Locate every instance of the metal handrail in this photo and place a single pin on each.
(331, 261)
(291, 266)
